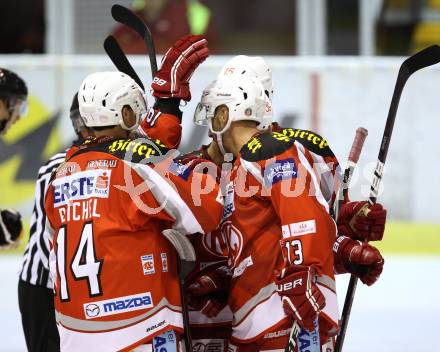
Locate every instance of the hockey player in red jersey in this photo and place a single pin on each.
(307, 152)
(363, 260)
(115, 274)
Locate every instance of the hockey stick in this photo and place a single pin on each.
(125, 16)
(353, 157)
(427, 57)
(186, 262)
(119, 59)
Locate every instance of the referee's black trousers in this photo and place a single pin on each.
(38, 318)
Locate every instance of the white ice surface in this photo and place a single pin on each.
(397, 314)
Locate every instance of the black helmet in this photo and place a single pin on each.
(13, 92)
(12, 85)
(75, 116)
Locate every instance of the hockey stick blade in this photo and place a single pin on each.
(125, 16)
(119, 59)
(181, 243)
(425, 58)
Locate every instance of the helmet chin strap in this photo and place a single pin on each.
(219, 135)
(219, 139)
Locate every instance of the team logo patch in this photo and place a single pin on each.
(148, 264)
(215, 243)
(280, 170)
(234, 240)
(118, 305)
(82, 185)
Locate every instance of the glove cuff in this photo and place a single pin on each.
(169, 106)
(341, 246)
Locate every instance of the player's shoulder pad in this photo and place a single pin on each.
(310, 140)
(134, 150)
(265, 146)
(137, 150)
(268, 145)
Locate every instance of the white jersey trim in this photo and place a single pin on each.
(73, 341)
(198, 318)
(174, 205)
(318, 193)
(264, 316)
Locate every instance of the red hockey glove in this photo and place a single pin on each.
(178, 65)
(302, 299)
(357, 258)
(10, 227)
(208, 289)
(361, 221)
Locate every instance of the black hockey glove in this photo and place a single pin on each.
(10, 227)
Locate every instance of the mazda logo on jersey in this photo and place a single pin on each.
(92, 310)
(234, 241)
(118, 305)
(81, 185)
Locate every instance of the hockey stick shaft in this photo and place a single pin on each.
(427, 57)
(353, 157)
(125, 16)
(119, 59)
(186, 261)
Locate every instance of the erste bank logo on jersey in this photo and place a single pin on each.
(118, 305)
(82, 185)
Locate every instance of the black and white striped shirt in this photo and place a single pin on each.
(35, 268)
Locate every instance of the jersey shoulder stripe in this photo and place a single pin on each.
(267, 145)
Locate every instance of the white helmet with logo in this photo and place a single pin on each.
(102, 96)
(255, 67)
(244, 97)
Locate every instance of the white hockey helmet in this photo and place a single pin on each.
(244, 97)
(102, 96)
(254, 67)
